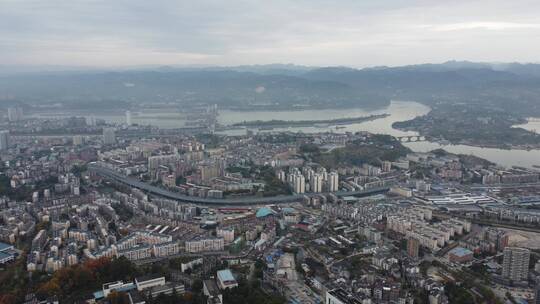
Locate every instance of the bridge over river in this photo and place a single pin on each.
(411, 138)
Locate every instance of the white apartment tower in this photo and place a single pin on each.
(333, 182)
(15, 114)
(516, 263)
(316, 183)
(128, 118)
(281, 175)
(299, 183)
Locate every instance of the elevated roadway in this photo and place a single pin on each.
(245, 201)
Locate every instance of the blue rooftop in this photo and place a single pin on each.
(225, 275)
(264, 211)
(287, 210)
(4, 246)
(460, 251)
(126, 287)
(4, 255)
(99, 295)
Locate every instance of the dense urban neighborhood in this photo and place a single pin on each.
(123, 213)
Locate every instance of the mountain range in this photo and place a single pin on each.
(511, 86)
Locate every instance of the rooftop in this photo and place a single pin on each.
(264, 211)
(225, 275)
(4, 255)
(460, 251)
(4, 246)
(343, 296)
(287, 210)
(148, 277)
(212, 288)
(122, 287)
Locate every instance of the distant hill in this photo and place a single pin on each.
(513, 86)
(225, 87)
(521, 69)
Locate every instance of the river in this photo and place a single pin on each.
(398, 110)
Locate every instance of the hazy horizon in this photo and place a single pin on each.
(88, 68)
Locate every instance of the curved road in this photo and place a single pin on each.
(113, 175)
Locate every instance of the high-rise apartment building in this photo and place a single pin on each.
(537, 291)
(15, 114)
(386, 166)
(4, 140)
(281, 175)
(516, 263)
(209, 171)
(316, 183)
(413, 246)
(159, 160)
(299, 183)
(78, 140)
(109, 136)
(333, 182)
(128, 118)
(91, 121)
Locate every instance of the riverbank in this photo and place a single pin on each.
(472, 125)
(472, 143)
(307, 123)
(399, 111)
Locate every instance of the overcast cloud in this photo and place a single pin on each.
(228, 32)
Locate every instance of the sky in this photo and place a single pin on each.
(356, 33)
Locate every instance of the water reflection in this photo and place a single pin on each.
(398, 110)
(523, 158)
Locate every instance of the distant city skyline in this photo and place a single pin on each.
(315, 33)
